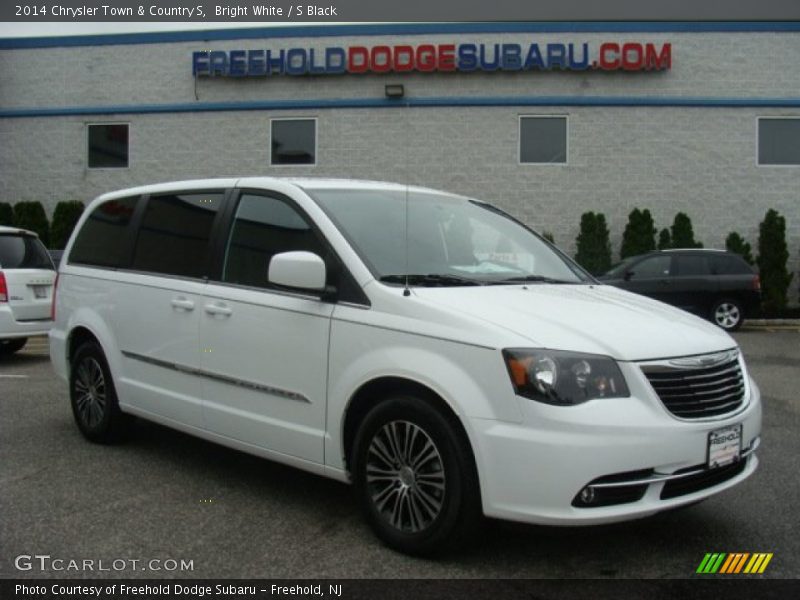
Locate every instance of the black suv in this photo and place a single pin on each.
(714, 284)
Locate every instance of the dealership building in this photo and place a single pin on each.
(547, 120)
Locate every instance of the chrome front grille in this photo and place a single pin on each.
(699, 387)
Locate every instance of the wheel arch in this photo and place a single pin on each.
(87, 326)
(78, 336)
(372, 392)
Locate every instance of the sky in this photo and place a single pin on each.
(8, 30)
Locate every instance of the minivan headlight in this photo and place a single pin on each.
(563, 378)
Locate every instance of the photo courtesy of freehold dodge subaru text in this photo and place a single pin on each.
(424, 346)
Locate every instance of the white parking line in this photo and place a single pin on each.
(13, 376)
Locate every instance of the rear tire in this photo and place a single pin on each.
(9, 347)
(727, 314)
(415, 476)
(94, 398)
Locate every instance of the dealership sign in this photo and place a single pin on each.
(434, 58)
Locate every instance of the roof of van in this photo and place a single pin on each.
(306, 183)
(6, 229)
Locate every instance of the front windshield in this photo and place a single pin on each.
(451, 240)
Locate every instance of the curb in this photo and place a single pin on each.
(771, 323)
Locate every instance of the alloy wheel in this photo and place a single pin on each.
(405, 476)
(727, 315)
(90, 392)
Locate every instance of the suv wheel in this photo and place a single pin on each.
(728, 314)
(93, 397)
(8, 347)
(414, 476)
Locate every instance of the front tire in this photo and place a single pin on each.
(727, 314)
(94, 398)
(9, 347)
(415, 476)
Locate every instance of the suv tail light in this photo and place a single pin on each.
(53, 304)
(757, 283)
(3, 288)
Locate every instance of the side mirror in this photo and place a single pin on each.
(628, 275)
(297, 270)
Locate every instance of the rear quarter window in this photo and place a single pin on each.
(730, 265)
(105, 237)
(23, 252)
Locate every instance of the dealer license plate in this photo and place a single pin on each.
(724, 446)
(40, 291)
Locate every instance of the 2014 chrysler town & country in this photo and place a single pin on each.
(424, 346)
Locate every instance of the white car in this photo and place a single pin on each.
(425, 347)
(26, 284)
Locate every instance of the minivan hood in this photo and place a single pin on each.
(597, 319)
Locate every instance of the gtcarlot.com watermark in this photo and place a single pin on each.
(46, 562)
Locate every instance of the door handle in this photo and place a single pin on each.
(218, 309)
(183, 304)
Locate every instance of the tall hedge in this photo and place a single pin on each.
(683, 233)
(772, 256)
(6, 214)
(639, 235)
(31, 216)
(65, 218)
(737, 244)
(594, 246)
(664, 239)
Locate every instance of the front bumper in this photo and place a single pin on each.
(534, 471)
(10, 328)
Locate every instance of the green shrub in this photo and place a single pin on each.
(772, 257)
(664, 239)
(31, 216)
(683, 233)
(6, 214)
(639, 235)
(65, 217)
(548, 235)
(594, 247)
(735, 243)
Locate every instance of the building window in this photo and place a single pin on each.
(779, 140)
(108, 146)
(543, 139)
(294, 141)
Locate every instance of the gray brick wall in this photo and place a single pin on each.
(697, 160)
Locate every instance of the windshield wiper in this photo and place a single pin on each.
(431, 279)
(534, 279)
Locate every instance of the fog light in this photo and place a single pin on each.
(587, 495)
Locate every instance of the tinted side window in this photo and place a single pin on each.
(729, 265)
(174, 234)
(691, 266)
(104, 239)
(23, 252)
(263, 227)
(656, 266)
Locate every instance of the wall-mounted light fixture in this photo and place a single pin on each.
(394, 90)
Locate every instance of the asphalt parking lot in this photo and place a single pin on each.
(164, 495)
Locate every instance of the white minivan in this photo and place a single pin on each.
(26, 282)
(426, 347)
